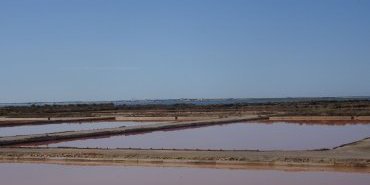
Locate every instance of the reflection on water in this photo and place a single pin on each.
(46, 174)
(61, 127)
(249, 135)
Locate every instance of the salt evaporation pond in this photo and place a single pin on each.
(46, 174)
(236, 136)
(61, 127)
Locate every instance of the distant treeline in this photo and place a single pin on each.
(347, 107)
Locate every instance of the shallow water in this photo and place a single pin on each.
(236, 136)
(61, 127)
(46, 174)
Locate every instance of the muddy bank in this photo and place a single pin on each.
(5, 122)
(355, 156)
(164, 118)
(12, 140)
(319, 118)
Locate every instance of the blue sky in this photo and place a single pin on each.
(66, 50)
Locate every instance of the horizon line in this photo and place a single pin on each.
(164, 99)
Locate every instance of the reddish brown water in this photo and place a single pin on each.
(61, 127)
(47, 174)
(250, 135)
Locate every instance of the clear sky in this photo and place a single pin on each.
(67, 50)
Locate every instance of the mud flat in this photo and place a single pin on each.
(11, 140)
(353, 156)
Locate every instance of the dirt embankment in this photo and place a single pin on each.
(319, 118)
(39, 121)
(353, 156)
(165, 118)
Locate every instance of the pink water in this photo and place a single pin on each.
(237, 136)
(47, 174)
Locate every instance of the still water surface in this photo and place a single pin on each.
(47, 174)
(61, 127)
(236, 136)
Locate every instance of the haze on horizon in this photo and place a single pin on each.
(121, 50)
